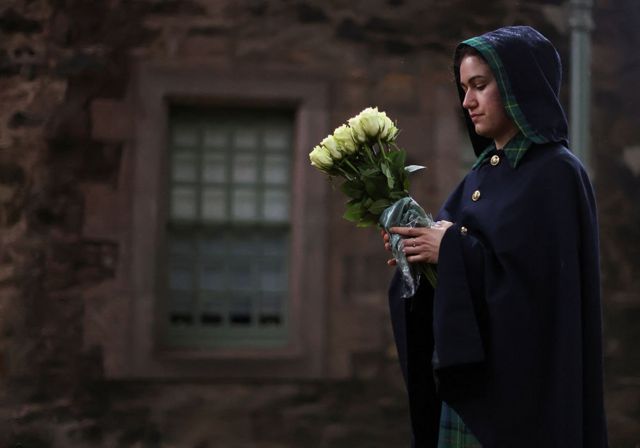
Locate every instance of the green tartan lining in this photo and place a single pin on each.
(453, 432)
(509, 100)
(514, 150)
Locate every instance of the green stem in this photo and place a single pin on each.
(368, 150)
(382, 149)
(344, 173)
(355, 170)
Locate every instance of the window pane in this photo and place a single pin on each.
(276, 169)
(184, 166)
(272, 277)
(276, 139)
(212, 247)
(180, 279)
(276, 205)
(215, 138)
(213, 311)
(180, 309)
(244, 246)
(271, 309)
(183, 203)
(240, 311)
(214, 167)
(245, 168)
(240, 276)
(214, 204)
(184, 136)
(213, 277)
(244, 204)
(181, 248)
(245, 138)
(275, 246)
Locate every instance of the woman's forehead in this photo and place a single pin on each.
(472, 66)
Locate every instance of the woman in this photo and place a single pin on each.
(507, 351)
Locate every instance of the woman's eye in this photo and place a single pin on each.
(481, 87)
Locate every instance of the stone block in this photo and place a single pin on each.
(111, 121)
(13, 22)
(104, 217)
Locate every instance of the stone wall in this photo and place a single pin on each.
(616, 163)
(64, 186)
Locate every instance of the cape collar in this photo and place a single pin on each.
(514, 150)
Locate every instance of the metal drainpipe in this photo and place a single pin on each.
(581, 24)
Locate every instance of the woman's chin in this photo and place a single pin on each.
(481, 131)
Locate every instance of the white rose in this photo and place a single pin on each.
(370, 123)
(390, 131)
(321, 158)
(383, 124)
(344, 138)
(357, 133)
(332, 145)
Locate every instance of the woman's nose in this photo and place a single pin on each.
(469, 100)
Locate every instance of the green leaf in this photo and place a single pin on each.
(355, 211)
(391, 182)
(377, 187)
(397, 158)
(367, 223)
(395, 195)
(353, 189)
(370, 172)
(377, 207)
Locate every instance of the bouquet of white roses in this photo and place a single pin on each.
(363, 152)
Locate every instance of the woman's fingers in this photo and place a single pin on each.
(385, 240)
(408, 231)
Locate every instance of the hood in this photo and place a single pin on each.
(528, 70)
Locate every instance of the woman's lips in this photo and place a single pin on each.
(475, 117)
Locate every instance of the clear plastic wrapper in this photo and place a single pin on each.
(406, 212)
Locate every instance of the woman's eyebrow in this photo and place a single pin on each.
(473, 80)
(476, 78)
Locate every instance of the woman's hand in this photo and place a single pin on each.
(421, 244)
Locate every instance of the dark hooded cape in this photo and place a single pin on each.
(511, 338)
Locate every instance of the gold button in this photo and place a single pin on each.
(495, 160)
(475, 196)
(463, 230)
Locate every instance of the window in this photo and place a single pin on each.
(228, 229)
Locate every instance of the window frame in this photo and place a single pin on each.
(155, 88)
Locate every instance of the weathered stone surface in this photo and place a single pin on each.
(13, 22)
(23, 119)
(308, 13)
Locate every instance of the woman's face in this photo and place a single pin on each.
(482, 101)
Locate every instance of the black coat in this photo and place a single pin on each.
(512, 336)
